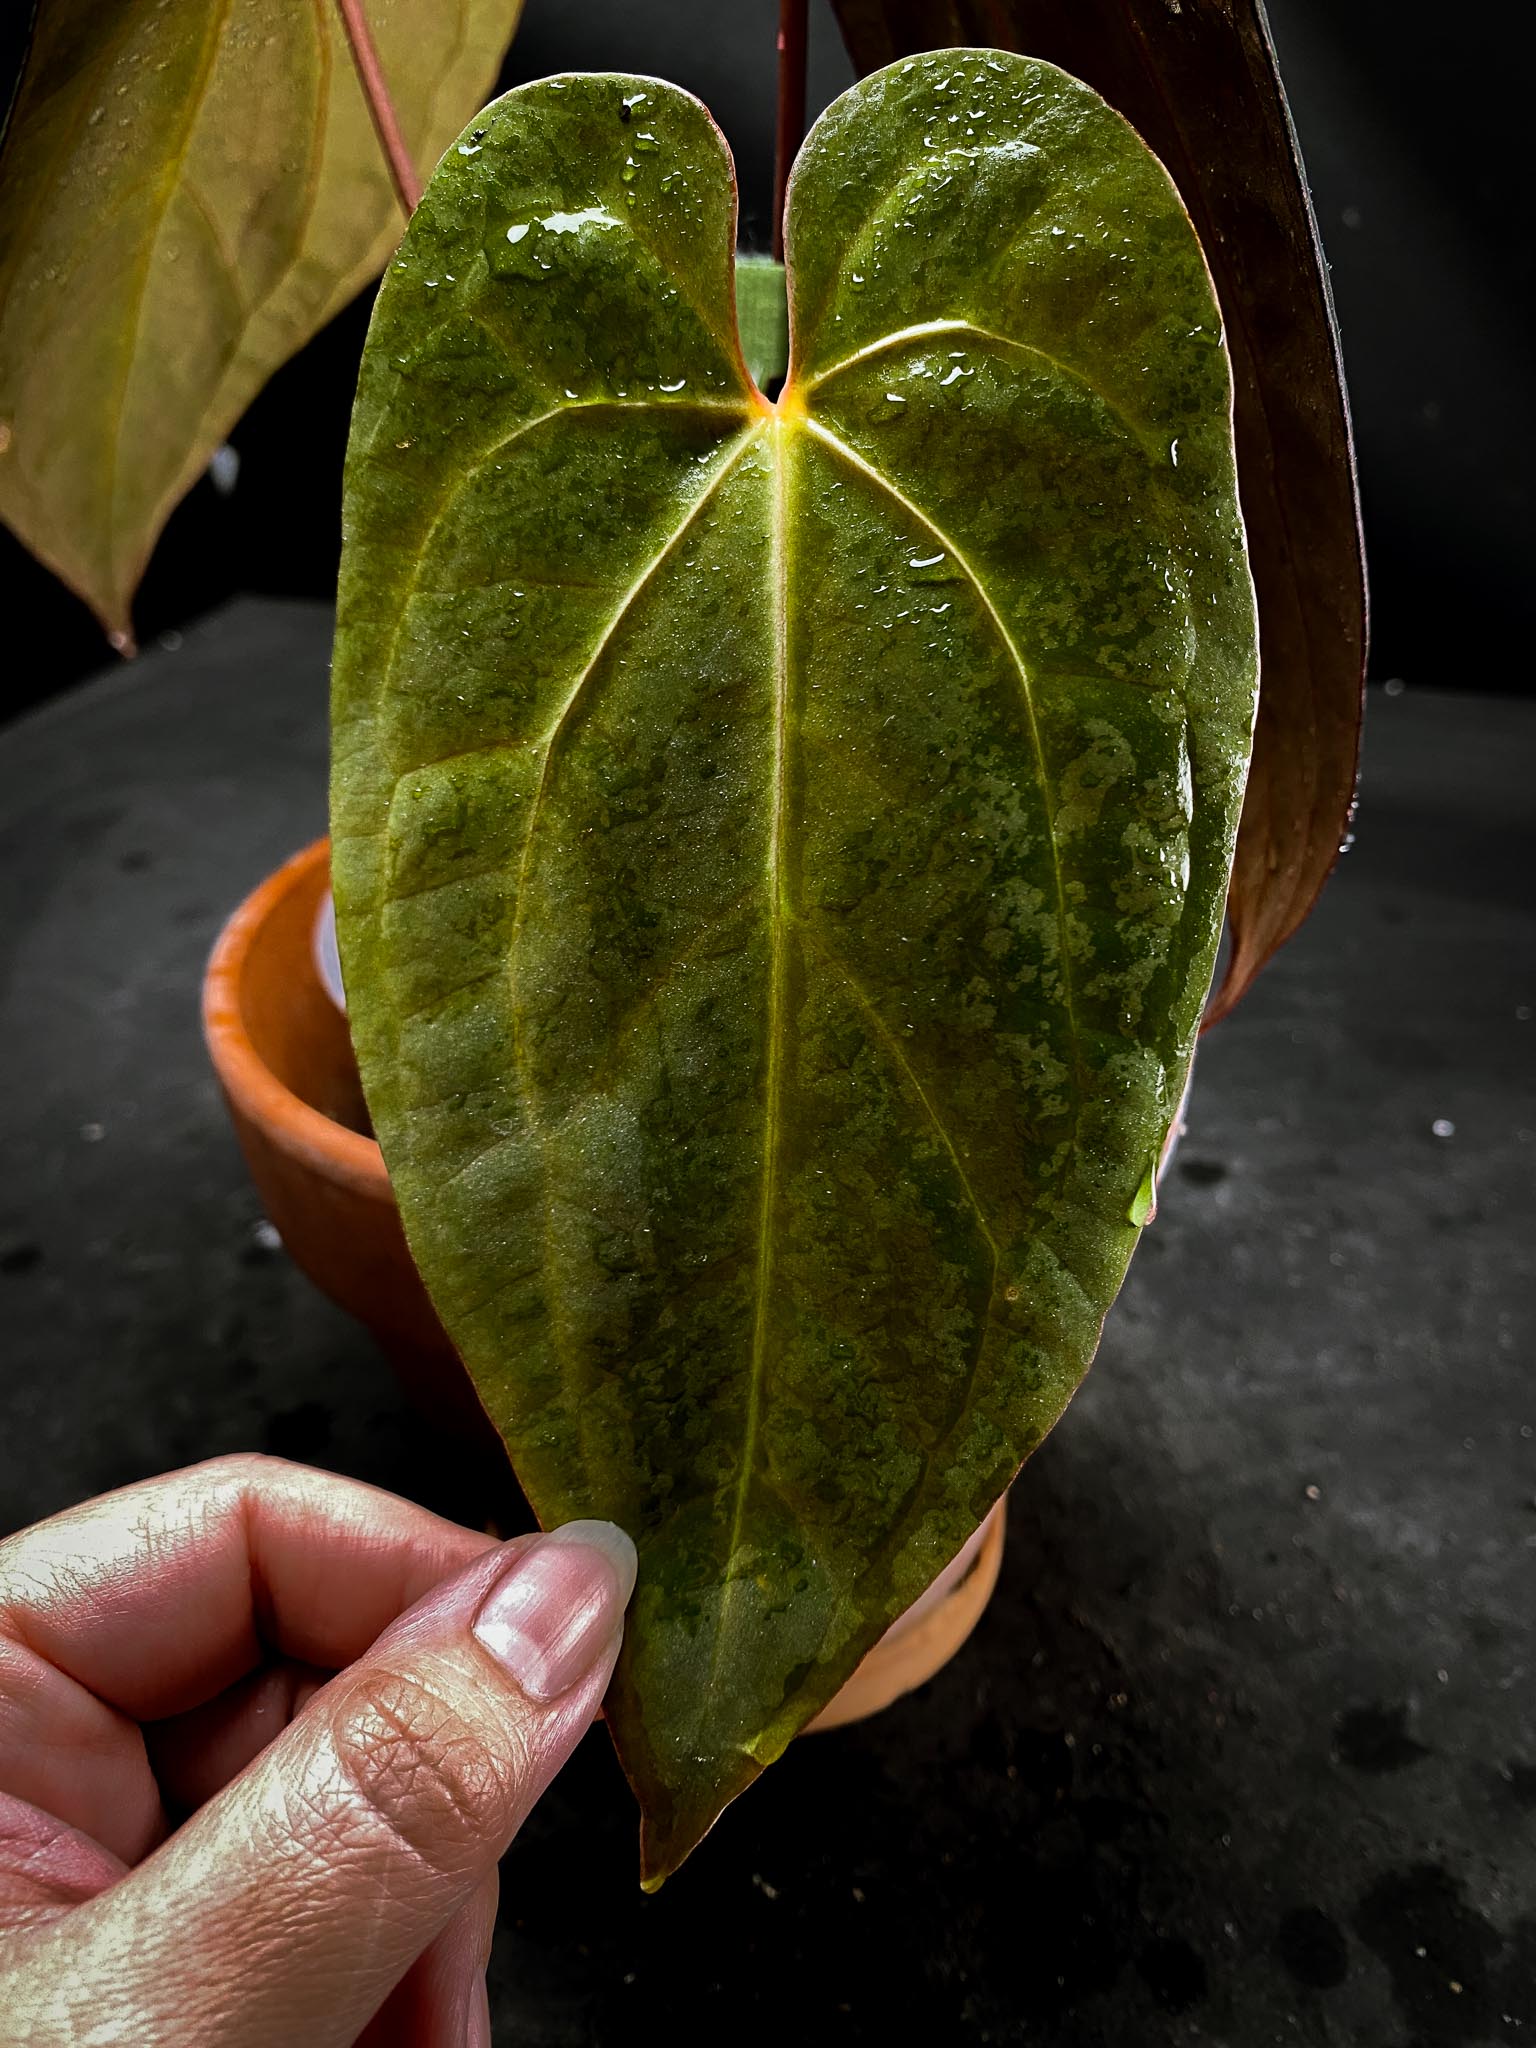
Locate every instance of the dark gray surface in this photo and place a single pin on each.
(1244, 1750)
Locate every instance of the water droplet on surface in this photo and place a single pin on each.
(573, 223)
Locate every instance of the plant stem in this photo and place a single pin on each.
(381, 108)
(790, 126)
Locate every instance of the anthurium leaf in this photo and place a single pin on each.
(779, 852)
(187, 193)
(1199, 82)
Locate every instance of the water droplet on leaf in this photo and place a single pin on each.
(1144, 1204)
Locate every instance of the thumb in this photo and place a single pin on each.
(289, 1906)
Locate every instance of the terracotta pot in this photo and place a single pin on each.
(284, 1060)
(280, 1047)
(928, 1634)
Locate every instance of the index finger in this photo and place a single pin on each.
(159, 1596)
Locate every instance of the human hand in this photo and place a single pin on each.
(167, 1651)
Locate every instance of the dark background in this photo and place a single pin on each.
(1414, 127)
(1243, 1751)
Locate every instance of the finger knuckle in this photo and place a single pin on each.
(417, 1767)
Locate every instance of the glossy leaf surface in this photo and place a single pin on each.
(1199, 82)
(187, 194)
(779, 852)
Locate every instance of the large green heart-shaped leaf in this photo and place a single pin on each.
(1200, 83)
(779, 851)
(187, 194)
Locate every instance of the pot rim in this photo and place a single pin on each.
(306, 1134)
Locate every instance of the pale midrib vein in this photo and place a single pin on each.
(774, 1080)
(999, 626)
(936, 329)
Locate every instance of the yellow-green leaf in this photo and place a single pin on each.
(187, 193)
(779, 850)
